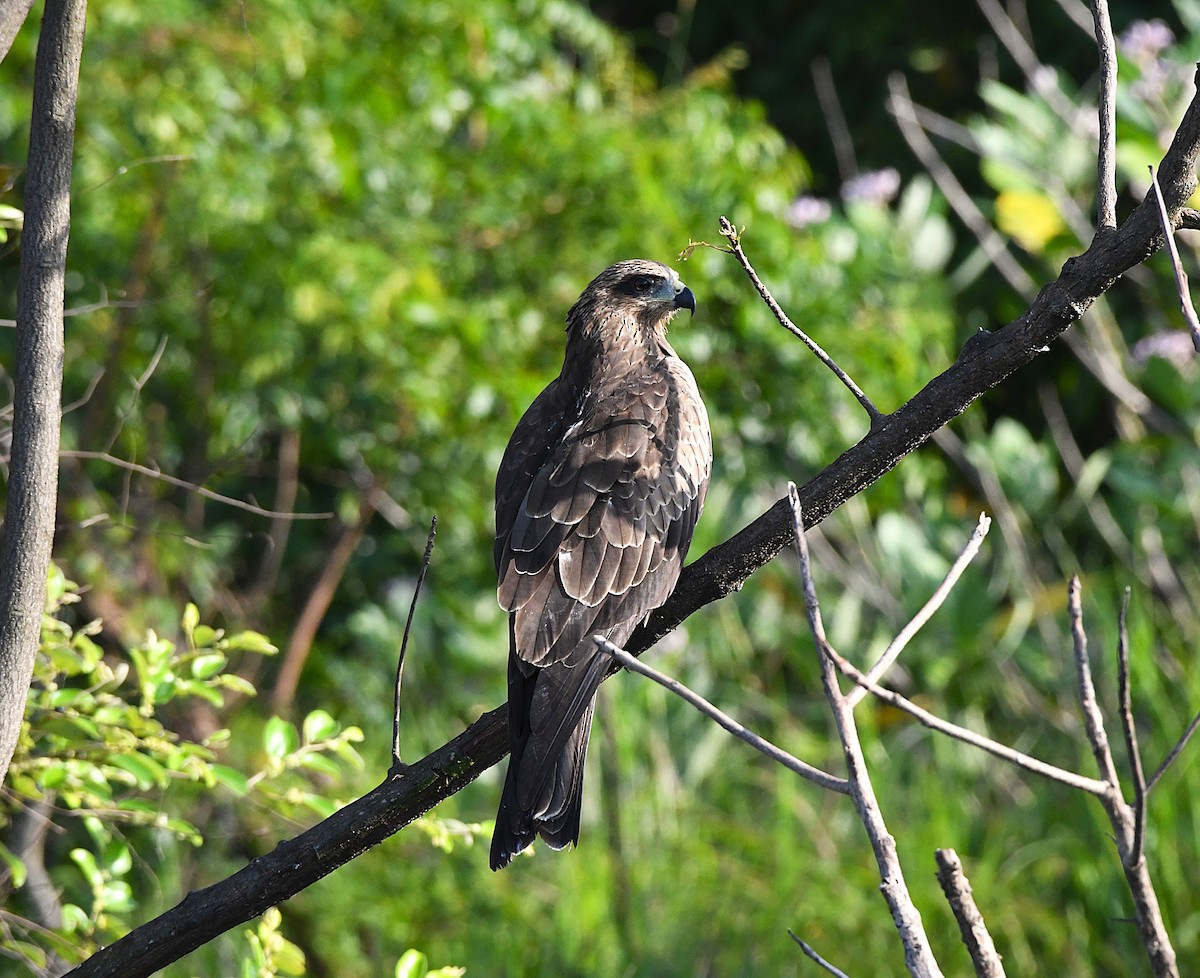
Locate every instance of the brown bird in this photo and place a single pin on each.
(596, 499)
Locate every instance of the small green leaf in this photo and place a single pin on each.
(232, 779)
(280, 738)
(13, 217)
(191, 618)
(87, 865)
(237, 684)
(319, 725)
(15, 866)
(250, 642)
(208, 665)
(147, 773)
(412, 964)
(321, 764)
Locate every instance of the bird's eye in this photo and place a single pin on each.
(643, 283)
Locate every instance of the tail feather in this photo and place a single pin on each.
(554, 807)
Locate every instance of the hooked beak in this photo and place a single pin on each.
(684, 299)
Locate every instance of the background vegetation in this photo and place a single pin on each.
(320, 257)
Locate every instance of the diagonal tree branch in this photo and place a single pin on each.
(986, 360)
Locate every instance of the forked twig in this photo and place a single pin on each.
(896, 646)
(1123, 820)
(794, 764)
(398, 766)
(734, 237)
(918, 956)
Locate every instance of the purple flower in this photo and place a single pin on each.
(807, 210)
(874, 187)
(1174, 347)
(1144, 40)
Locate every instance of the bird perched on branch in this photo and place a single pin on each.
(596, 499)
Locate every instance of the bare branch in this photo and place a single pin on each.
(918, 956)
(1151, 928)
(900, 104)
(1175, 751)
(1181, 279)
(398, 766)
(1078, 14)
(12, 16)
(995, 247)
(814, 956)
(138, 384)
(933, 722)
(730, 232)
(1038, 77)
(1130, 730)
(970, 921)
(1093, 720)
(807, 771)
(835, 118)
(190, 486)
(1106, 156)
(896, 646)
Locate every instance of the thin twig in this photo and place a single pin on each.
(91, 307)
(971, 925)
(138, 385)
(835, 118)
(734, 237)
(1175, 751)
(1151, 928)
(1125, 698)
(143, 161)
(901, 106)
(892, 652)
(190, 486)
(818, 777)
(1078, 14)
(995, 748)
(398, 766)
(813, 955)
(1036, 74)
(1106, 156)
(918, 956)
(1105, 369)
(1181, 279)
(1093, 720)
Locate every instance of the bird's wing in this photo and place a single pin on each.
(599, 536)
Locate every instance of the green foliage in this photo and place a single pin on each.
(96, 757)
(354, 230)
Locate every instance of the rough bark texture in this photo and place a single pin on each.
(986, 360)
(37, 408)
(12, 16)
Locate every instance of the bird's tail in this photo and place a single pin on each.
(553, 811)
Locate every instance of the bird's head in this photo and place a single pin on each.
(640, 291)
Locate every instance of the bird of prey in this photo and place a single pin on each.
(596, 499)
